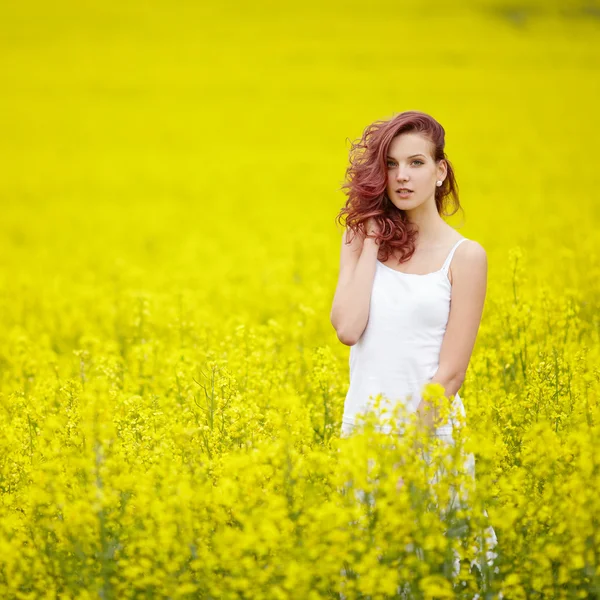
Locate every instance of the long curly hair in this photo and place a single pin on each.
(366, 183)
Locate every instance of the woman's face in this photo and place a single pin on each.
(410, 165)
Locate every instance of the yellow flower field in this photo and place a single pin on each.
(171, 386)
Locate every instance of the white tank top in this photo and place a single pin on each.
(399, 349)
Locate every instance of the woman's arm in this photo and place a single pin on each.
(469, 285)
(352, 298)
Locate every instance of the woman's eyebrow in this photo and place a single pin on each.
(412, 156)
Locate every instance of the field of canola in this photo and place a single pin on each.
(171, 387)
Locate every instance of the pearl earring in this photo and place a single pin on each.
(438, 183)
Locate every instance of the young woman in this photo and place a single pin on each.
(411, 289)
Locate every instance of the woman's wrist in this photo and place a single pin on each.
(370, 242)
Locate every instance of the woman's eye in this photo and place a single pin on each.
(391, 164)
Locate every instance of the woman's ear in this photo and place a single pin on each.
(443, 169)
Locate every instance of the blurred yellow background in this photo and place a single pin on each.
(201, 143)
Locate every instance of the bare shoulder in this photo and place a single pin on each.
(469, 261)
(471, 251)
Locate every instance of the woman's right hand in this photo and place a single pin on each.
(372, 227)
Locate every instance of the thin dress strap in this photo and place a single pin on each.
(446, 264)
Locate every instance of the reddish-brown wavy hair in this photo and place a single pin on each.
(366, 183)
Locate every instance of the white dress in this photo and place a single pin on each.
(399, 349)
